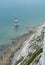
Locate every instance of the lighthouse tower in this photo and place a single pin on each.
(16, 22)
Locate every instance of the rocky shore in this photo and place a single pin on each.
(8, 53)
(26, 49)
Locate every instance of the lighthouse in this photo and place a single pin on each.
(16, 23)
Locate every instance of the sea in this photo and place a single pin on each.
(27, 12)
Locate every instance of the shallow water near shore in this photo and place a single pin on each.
(28, 13)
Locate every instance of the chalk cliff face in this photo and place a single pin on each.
(30, 50)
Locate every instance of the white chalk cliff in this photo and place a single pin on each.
(31, 50)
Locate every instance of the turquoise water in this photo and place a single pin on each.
(28, 12)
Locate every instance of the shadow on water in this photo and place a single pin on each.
(16, 31)
(16, 28)
(16, 34)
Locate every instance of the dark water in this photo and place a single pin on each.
(28, 13)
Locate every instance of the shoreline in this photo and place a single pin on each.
(13, 41)
(5, 59)
(13, 48)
